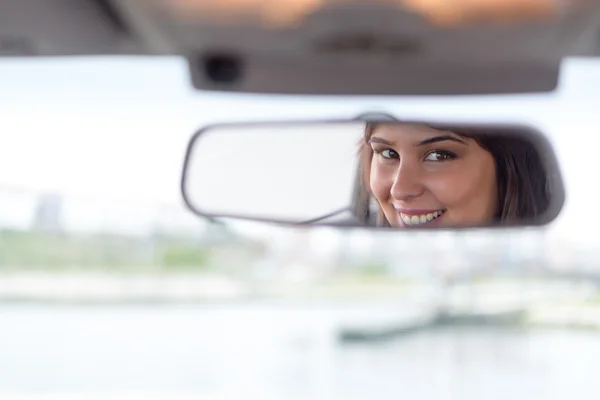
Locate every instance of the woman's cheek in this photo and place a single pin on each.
(379, 183)
(466, 195)
(448, 188)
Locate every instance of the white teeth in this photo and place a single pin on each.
(413, 220)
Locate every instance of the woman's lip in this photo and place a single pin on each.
(417, 211)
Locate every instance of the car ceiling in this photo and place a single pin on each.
(105, 27)
(64, 28)
(42, 28)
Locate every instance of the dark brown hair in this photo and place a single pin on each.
(523, 193)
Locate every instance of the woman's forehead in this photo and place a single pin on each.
(408, 131)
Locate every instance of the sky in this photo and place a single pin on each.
(113, 130)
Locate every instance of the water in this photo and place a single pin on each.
(269, 351)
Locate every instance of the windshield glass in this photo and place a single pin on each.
(109, 286)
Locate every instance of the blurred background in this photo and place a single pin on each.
(109, 288)
(68, 248)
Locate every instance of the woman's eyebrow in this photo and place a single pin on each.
(442, 138)
(375, 139)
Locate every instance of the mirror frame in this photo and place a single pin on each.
(358, 206)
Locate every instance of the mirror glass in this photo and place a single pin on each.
(388, 174)
(283, 172)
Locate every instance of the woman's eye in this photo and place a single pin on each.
(388, 154)
(440, 156)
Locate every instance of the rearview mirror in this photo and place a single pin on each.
(377, 173)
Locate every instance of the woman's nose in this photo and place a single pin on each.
(407, 183)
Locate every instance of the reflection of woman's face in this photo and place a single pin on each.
(423, 176)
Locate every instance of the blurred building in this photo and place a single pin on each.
(48, 215)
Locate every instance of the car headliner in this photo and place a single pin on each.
(105, 27)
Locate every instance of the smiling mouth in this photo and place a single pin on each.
(421, 219)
